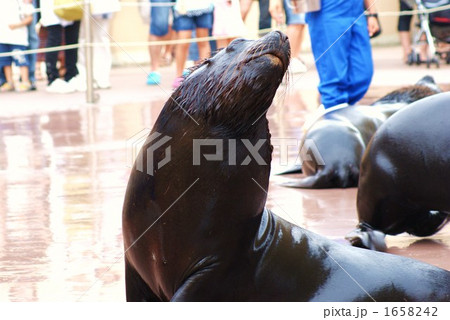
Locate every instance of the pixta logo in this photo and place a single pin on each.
(142, 146)
(136, 152)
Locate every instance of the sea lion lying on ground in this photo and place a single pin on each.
(195, 227)
(404, 182)
(340, 137)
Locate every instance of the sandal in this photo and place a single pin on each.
(177, 82)
(23, 86)
(6, 87)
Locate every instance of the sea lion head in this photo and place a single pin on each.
(425, 87)
(236, 86)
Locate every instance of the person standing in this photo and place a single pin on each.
(15, 16)
(101, 53)
(33, 44)
(403, 27)
(159, 31)
(265, 19)
(56, 29)
(340, 42)
(295, 30)
(190, 15)
(227, 22)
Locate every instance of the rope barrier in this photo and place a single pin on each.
(124, 44)
(192, 40)
(122, 4)
(413, 12)
(171, 4)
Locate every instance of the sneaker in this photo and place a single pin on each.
(102, 85)
(60, 86)
(23, 86)
(153, 78)
(6, 87)
(297, 66)
(33, 86)
(78, 83)
(177, 82)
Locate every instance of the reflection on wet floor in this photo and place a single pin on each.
(64, 174)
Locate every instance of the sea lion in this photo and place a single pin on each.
(200, 232)
(340, 137)
(405, 175)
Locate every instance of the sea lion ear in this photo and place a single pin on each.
(215, 52)
(196, 67)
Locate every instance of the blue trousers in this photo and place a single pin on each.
(342, 51)
(33, 43)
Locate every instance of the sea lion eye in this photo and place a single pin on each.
(229, 48)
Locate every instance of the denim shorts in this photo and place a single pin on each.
(159, 18)
(291, 17)
(19, 60)
(183, 22)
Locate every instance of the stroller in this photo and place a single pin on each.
(434, 30)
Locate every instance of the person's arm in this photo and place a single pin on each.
(372, 21)
(23, 23)
(245, 7)
(276, 10)
(27, 12)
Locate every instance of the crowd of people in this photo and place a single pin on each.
(33, 24)
(223, 19)
(65, 69)
(344, 77)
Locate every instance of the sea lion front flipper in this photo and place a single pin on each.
(294, 169)
(317, 181)
(366, 237)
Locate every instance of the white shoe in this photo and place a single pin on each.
(78, 83)
(102, 85)
(297, 66)
(59, 86)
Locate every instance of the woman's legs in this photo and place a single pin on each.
(54, 38)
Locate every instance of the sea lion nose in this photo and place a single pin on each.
(276, 35)
(281, 35)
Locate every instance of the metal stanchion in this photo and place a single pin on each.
(90, 95)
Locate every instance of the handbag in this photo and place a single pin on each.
(70, 10)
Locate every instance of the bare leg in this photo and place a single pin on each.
(405, 41)
(204, 49)
(245, 8)
(24, 75)
(8, 74)
(182, 51)
(155, 53)
(424, 48)
(295, 35)
(223, 43)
